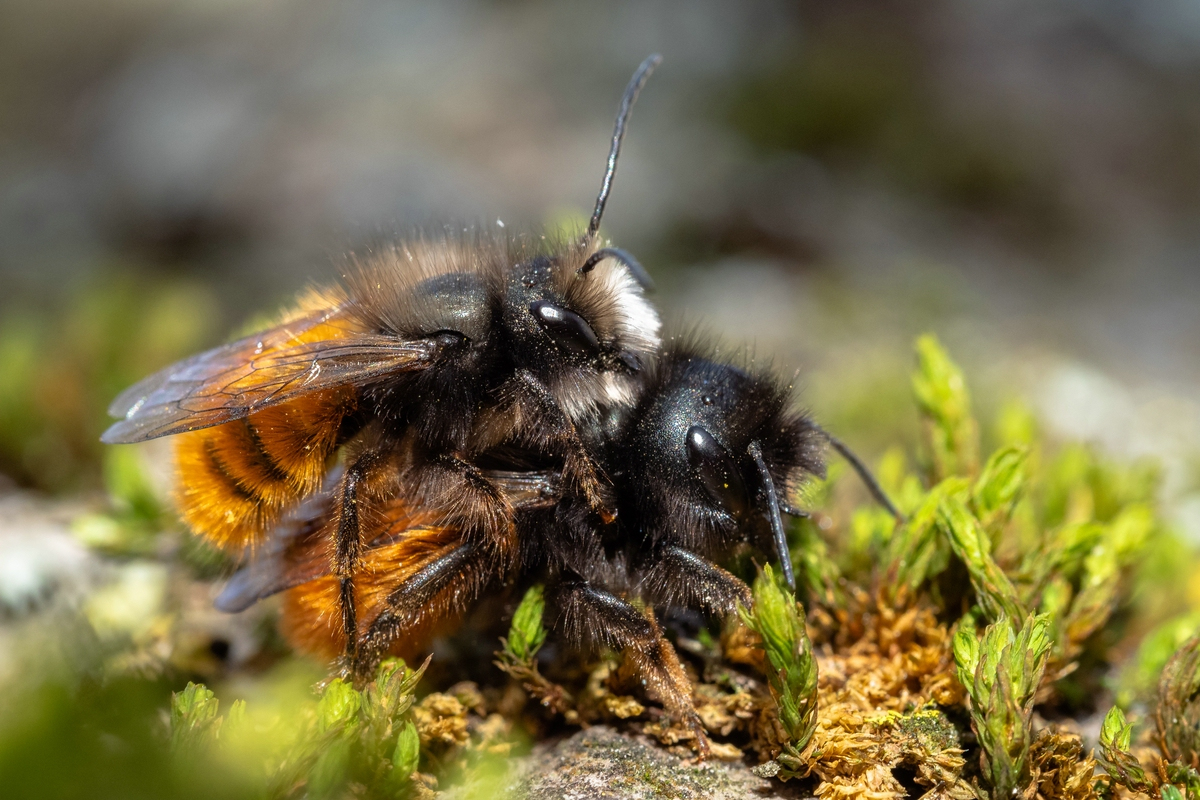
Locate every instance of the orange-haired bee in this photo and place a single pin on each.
(401, 539)
(432, 357)
(497, 415)
(705, 463)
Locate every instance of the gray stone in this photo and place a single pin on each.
(601, 762)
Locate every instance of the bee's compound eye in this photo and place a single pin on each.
(567, 328)
(718, 472)
(449, 338)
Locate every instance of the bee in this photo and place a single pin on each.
(713, 455)
(709, 460)
(431, 357)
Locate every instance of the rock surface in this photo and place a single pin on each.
(601, 762)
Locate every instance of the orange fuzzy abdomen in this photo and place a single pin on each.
(312, 620)
(236, 480)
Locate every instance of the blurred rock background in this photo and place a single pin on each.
(820, 180)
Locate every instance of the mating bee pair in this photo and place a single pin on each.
(470, 412)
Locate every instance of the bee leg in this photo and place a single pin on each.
(674, 576)
(437, 590)
(473, 503)
(578, 463)
(348, 545)
(588, 613)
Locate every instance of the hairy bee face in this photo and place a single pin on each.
(706, 441)
(504, 305)
(587, 336)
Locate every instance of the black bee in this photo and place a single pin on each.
(712, 458)
(431, 354)
(709, 460)
(713, 455)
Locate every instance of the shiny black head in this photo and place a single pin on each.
(712, 452)
(600, 318)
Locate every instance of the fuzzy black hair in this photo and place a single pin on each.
(737, 404)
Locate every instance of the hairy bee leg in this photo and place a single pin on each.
(678, 577)
(475, 503)
(588, 613)
(578, 460)
(348, 544)
(445, 584)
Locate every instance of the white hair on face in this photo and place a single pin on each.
(636, 320)
(581, 395)
(611, 300)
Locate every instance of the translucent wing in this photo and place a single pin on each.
(315, 351)
(293, 555)
(527, 489)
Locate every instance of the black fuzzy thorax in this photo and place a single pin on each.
(474, 290)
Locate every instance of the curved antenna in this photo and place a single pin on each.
(864, 473)
(636, 270)
(781, 545)
(627, 100)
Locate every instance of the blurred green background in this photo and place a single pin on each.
(821, 181)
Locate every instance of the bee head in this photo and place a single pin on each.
(579, 313)
(586, 334)
(716, 450)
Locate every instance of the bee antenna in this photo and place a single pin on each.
(864, 473)
(774, 517)
(627, 101)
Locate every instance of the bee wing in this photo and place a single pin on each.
(260, 580)
(526, 489)
(267, 577)
(294, 553)
(316, 351)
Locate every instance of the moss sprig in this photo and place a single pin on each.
(347, 735)
(1002, 670)
(970, 542)
(1178, 715)
(1000, 486)
(951, 434)
(1122, 766)
(195, 717)
(917, 552)
(517, 656)
(791, 669)
(1117, 546)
